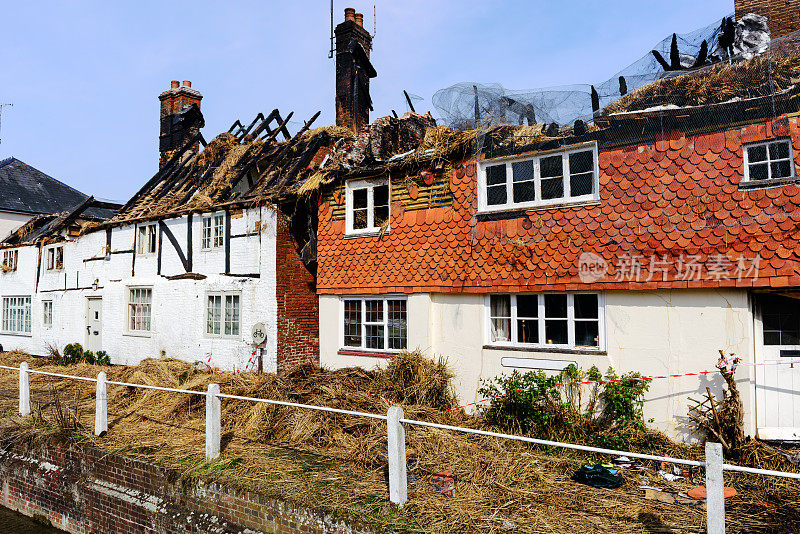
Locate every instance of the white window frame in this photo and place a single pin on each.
(11, 259)
(768, 161)
(370, 185)
(52, 256)
(15, 316)
(129, 305)
(542, 344)
(143, 247)
(223, 296)
(483, 205)
(385, 323)
(213, 232)
(47, 313)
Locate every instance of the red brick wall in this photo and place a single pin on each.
(84, 490)
(298, 306)
(783, 15)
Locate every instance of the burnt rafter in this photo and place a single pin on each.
(260, 127)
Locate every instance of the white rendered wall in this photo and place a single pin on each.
(178, 316)
(10, 221)
(654, 333)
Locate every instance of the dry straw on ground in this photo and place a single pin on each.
(338, 463)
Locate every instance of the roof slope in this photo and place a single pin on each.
(26, 189)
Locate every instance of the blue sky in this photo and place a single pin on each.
(84, 76)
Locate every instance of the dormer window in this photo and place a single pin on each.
(54, 258)
(367, 206)
(146, 239)
(213, 232)
(542, 180)
(768, 161)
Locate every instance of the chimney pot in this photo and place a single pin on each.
(187, 83)
(174, 84)
(350, 14)
(360, 19)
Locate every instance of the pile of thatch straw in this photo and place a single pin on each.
(337, 463)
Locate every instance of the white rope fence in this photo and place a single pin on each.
(398, 480)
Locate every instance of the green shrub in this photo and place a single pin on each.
(101, 358)
(74, 353)
(554, 407)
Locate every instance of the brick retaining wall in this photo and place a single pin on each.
(85, 490)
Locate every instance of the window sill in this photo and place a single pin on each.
(550, 350)
(376, 354)
(761, 184)
(17, 334)
(490, 214)
(371, 233)
(138, 334)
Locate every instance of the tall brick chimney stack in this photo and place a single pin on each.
(180, 119)
(353, 72)
(783, 16)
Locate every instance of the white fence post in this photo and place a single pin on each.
(398, 480)
(101, 405)
(24, 390)
(715, 497)
(213, 422)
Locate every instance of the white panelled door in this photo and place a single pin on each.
(94, 322)
(777, 386)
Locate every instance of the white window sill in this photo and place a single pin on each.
(17, 334)
(559, 349)
(535, 207)
(223, 338)
(138, 334)
(368, 233)
(769, 182)
(374, 353)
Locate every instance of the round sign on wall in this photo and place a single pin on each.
(259, 333)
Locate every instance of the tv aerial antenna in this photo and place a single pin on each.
(332, 51)
(2, 105)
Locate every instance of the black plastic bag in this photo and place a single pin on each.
(598, 476)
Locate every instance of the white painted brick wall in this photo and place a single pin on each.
(179, 307)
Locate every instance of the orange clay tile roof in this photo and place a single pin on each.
(667, 206)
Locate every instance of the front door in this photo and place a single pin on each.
(777, 381)
(94, 321)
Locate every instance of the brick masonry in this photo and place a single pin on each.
(783, 15)
(298, 312)
(84, 490)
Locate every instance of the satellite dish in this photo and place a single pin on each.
(259, 333)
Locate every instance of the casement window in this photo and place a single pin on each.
(222, 315)
(546, 179)
(768, 161)
(9, 260)
(367, 206)
(17, 315)
(571, 320)
(47, 313)
(375, 323)
(140, 301)
(146, 239)
(54, 258)
(213, 232)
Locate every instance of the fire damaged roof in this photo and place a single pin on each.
(29, 190)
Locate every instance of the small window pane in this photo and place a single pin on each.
(359, 219)
(352, 323)
(500, 311)
(496, 174)
(496, 195)
(585, 306)
(527, 306)
(758, 172)
(381, 193)
(756, 153)
(522, 173)
(374, 336)
(359, 199)
(556, 332)
(581, 184)
(397, 324)
(374, 311)
(587, 334)
(528, 331)
(580, 162)
(779, 150)
(781, 169)
(551, 166)
(552, 188)
(555, 306)
(381, 215)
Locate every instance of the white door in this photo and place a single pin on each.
(777, 382)
(94, 320)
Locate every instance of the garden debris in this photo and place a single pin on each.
(699, 492)
(598, 476)
(443, 483)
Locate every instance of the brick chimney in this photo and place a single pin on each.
(180, 119)
(783, 16)
(353, 72)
